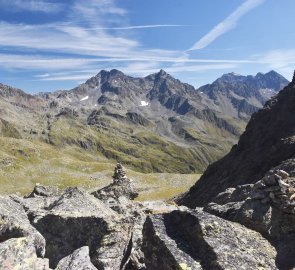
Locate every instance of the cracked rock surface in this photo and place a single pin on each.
(106, 230)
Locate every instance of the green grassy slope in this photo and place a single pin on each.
(24, 163)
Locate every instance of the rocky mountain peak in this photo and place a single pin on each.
(104, 76)
(232, 76)
(161, 75)
(162, 72)
(271, 79)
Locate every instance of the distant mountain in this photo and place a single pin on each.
(155, 123)
(240, 96)
(158, 121)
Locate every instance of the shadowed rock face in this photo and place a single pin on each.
(268, 140)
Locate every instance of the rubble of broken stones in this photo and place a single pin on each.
(108, 230)
(277, 187)
(268, 207)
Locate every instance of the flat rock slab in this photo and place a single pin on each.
(198, 240)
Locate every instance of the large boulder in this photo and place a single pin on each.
(77, 219)
(193, 239)
(14, 223)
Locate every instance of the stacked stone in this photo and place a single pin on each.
(119, 176)
(276, 187)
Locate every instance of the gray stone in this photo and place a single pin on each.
(45, 191)
(14, 223)
(78, 260)
(20, 253)
(198, 240)
(78, 219)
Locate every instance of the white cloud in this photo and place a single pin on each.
(11, 61)
(277, 58)
(81, 78)
(93, 7)
(96, 12)
(30, 5)
(140, 27)
(226, 25)
(280, 60)
(85, 35)
(66, 39)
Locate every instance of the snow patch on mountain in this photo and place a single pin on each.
(84, 98)
(143, 103)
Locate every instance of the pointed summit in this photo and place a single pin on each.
(116, 72)
(162, 72)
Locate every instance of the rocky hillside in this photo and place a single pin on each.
(241, 96)
(152, 124)
(107, 230)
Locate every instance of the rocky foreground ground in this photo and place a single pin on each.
(76, 230)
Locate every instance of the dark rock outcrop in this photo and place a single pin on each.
(68, 112)
(43, 191)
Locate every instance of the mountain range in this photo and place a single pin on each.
(153, 124)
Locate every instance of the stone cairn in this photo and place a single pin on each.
(276, 187)
(119, 176)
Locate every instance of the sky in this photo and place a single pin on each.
(46, 45)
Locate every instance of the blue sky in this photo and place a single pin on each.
(47, 45)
